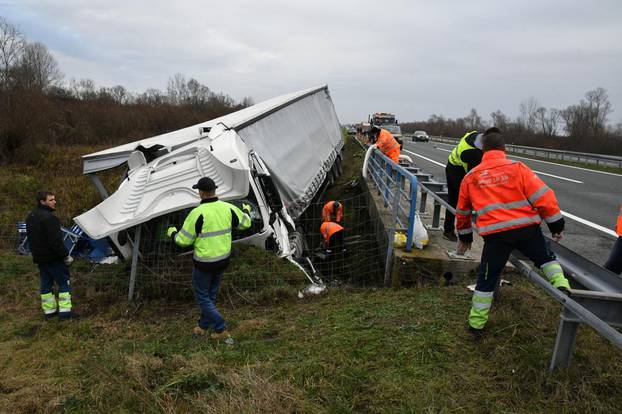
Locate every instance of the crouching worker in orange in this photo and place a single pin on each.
(385, 142)
(332, 211)
(333, 243)
(511, 202)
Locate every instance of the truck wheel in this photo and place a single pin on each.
(297, 244)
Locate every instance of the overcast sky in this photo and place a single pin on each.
(412, 58)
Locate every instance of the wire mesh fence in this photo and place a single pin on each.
(164, 269)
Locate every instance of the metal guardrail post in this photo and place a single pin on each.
(436, 216)
(134, 269)
(564, 343)
(423, 200)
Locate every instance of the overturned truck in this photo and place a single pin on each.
(276, 156)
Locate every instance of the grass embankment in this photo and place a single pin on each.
(345, 351)
(57, 169)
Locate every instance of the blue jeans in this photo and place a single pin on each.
(614, 263)
(206, 285)
(54, 272)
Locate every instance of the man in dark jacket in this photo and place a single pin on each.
(49, 253)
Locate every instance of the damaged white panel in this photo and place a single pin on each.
(165, 185)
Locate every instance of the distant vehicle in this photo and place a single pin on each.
(382, 119)
(395, 130)
(421, 136)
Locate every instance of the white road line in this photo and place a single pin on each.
(590, 224)
(425, 158)
(560, 165)
(537, 172)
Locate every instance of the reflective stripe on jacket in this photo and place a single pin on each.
(505, 195)
(328, 228)
(329, 213)
(455, 156)
(619, 224)
(212, 241)
(388, 145)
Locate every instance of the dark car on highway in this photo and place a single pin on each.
(421, 136)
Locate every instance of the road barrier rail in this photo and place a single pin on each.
(552, 154)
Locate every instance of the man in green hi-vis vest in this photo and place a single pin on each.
(208, 228)
(464, 157)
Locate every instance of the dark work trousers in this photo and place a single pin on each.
(54, 272)
(454, 176)
(614, 263)
(498, 247)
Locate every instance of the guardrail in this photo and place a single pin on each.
(599, 305)
(552, 154)
(398, 187)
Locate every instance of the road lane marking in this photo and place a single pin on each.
(425, 158)
(537, 172)
(559, 164)
(590, 224)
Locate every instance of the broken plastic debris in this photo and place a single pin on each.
(454, 255)
(300, 295)
(503, 282)
(315, 289)
(229, 340)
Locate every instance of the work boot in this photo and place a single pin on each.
(50, 315)
(198, 331)
(220, 335)
(450, 235)
(65, 316)
(477, 334)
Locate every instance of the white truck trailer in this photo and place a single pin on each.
(275, 155)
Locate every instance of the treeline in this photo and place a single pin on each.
(37, 108)
(582, 127)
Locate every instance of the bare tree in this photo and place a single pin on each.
(598, 108)
(38, 69)
(177, 89)
(528, 114)
(500, 120)
(473, 120)
(11, 47)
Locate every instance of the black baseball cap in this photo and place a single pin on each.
(205, 184)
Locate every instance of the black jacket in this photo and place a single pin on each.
(45, 236)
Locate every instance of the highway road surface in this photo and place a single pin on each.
(590, 200)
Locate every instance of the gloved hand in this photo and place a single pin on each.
(246, 208)
(68, 260)
(170, 231)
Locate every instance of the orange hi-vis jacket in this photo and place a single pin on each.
(388, 145)
(505, 195)
(619, 224)
(329, 213)
(328, 228)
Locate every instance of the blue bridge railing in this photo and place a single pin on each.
(398, 187)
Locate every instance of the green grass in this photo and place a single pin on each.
(349, 350)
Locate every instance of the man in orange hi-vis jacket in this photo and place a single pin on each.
(385, 142)
(332, 211)
(510, 202)
(614, 263)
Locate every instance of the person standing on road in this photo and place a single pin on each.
(208, 228)
(510, 201)
(614, 263)
(44, 234)
(385, 142)
(463, 158)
